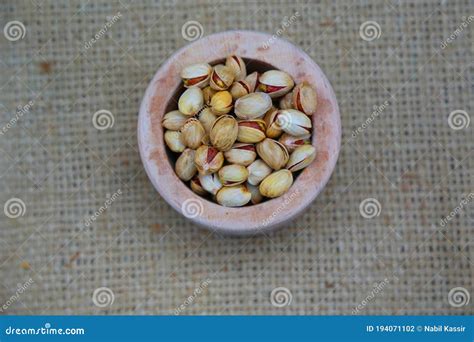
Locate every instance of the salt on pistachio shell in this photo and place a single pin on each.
(233, 196)
(276, 184)
(273, 153)
(275, 83)
(192, 133)
(294, 122)
(208, 159)
(291, 142)
(207, 118)
(191, 101)
(301, 158)
(237, 65)
(197, 75)
(305, 98)
(197, 187)
(258, 170)
(239, 89)
(273, 129)
(173, 141)
(174, 120)
(210, 183)
(286, 101)
(252, 106)
(233, 174)
(221, 102)
(185, 167)
(224, 132)
(208, 93)
(222, 77)
(241, 154)
(251, 131)
(256, 196)
(252, 81)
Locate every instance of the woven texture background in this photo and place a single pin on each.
(331, 259)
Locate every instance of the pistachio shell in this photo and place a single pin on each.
(210, 183)
(174, 142)
(174, 120)
(224, 132)
(275, 83)
(185, 167)
(192, 133)
(258, 170)
(208, 159)
(291, 142)
(273, 153)
(197, 187)
(286, 101)
(252, 81)
(222, 77)
(191, 101)
(251, 131)
(233, 196)
(196, 75)
(241, 153)
(301, 157)
(256, 196)
(208, 93)
(221, 102)
(207, 118)
(252, 106)
(237, 65)
(276, 184)
(305, 98)
(233, 174)
(294, 122)
(239, 89)
(273, 129)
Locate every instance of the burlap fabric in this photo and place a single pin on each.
(402, 154)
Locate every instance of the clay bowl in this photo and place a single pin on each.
(261, 52)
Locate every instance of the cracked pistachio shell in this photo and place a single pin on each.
(208, 93)
(286, 101)
(174, 120)
(301, 157)
(251, 131)
(252, 81)
(233, 174)
(206, 118)
(237, 65)
(197, 187)
(221, 102)
(258, 170)
(196, 75)
(185, 167)
(192, 133)
(276, 184)
(210, 183)
(239, 89)
(208, 159)
(174, 142)
(191, 101)
(233, 196)
(291, 142)
(294, 122)
(273, 153)
(256, 196)
(275, 83)
(241, 154)
(252, 106)
(304, 98)
(273, 129)
(224, 132)
(222, 77)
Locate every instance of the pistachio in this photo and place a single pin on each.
(252, 81)
(305, 98)
(252, 106)
(174, 120)
(251, 131)
(173, 141)
(291, 142)
(237, 65)
(286, 101)
(294, 122)
(206, 140)
(208, 159)
(208, 93)
(191, 101)
(273, 153)
(233, 196)
(273, 129)
(276, 184)
(185, 167)
(224, 132)
(239, 89)
(258, 170)
(241, 154)
(196, 75)
(207, 118)
(210, 183)
(221, 77)
(275, 83)
(256, 196)
(197, 187)
(301, 157)
(192, 133)
(233, 174)
(221, 102)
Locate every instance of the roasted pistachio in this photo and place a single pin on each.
(191, 101)
(174, 120)
(192, 133)
(233, 196)
(208, 93)
(258, 170)
(252, 81)
(210, 183)
(252, 106)
(185, 167)
(224, 132)
(273, 153)
(241, 154)
(286, 101)
(196, 75)
(276, 184)
(237, 65)
(273, 129)
(197, 187)
(233, 174)
(251, 131)
(305, 98)
(221, 77)
(239, 89)
(275, 83)
(256, 196)
(208, 159)
(291, 142)
(207, 118)
(301, 157)
(221, 102)
(294, 122)
(173, 141)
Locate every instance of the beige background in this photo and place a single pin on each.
(331, 259)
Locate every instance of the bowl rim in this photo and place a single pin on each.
(225, 219)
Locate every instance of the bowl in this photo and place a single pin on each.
(261, 52)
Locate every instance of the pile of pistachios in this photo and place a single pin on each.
(240, 137)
